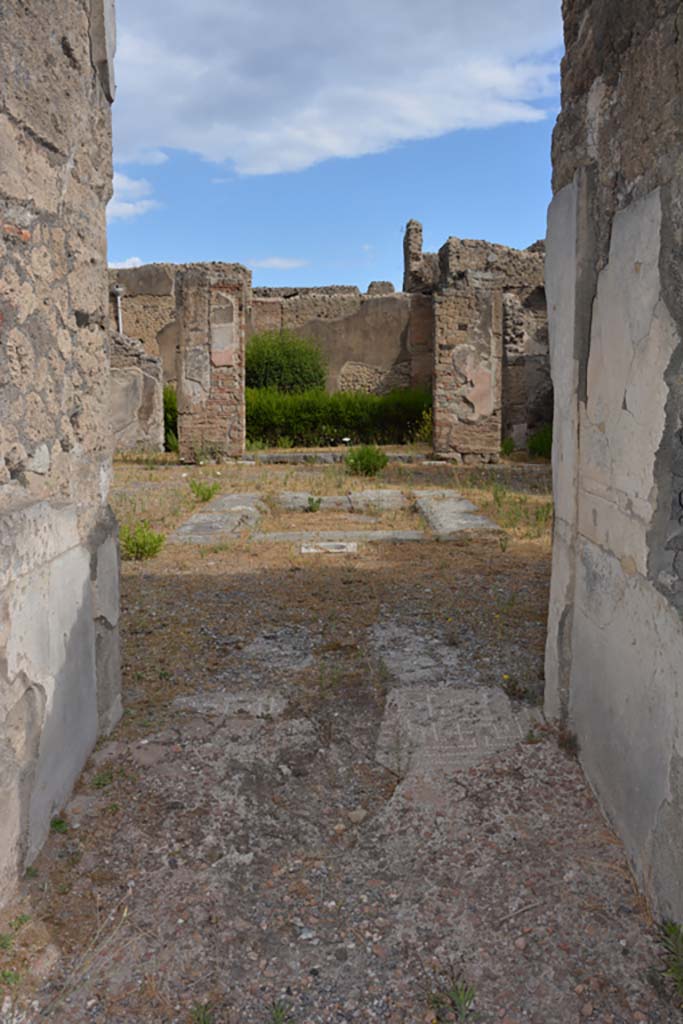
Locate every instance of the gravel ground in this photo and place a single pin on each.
(333, 798)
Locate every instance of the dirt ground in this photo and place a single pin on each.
(333, 796)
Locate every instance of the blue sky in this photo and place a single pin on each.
(248, 131)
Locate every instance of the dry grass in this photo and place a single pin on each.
(159, 492)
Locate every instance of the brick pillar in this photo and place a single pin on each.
(213, 301)
(468, 346)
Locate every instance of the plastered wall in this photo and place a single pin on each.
(59, 653)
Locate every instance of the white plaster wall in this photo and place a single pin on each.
(54, 698)
(561, 291)
(622, 659)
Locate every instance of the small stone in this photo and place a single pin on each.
(307, 935)
(520, 944)
(39, 462)
(587, 1010)
(358, 816)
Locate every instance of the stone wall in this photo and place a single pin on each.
(59, 660)
(491, 362)
(614, 278)
(137, 397)
(373, 342)
(212, 308)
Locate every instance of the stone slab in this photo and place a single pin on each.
(325, 458)
(433, 732)
(343, 536)
(225, 516)
(380, 500)
(330, 548)
(447, 513)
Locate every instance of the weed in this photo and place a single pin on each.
(499, 494)
(279, 1014)
(10, 979)
(18, 923)
(313, 504)
(532, 737)
(140, 542)
(6, 942)
(204, 491)
(543, 514)
(31, 872)
(284, 442)
(507, 447)
(449, 994)
(113, 809)
(368, 460)
(103, 779)
(541, 442)
(503, 541)
(513, 689)
(568, 741)
(59, 825)
(202, 1014)
(671, 940)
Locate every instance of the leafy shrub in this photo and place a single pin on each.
(507, 447)
(367, 460)
(203, 491)
(284, 362)
(541, 442)
(140, 542)
(170, 418)
(315, 418)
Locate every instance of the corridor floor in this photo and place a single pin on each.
(333, 797)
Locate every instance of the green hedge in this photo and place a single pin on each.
(315, 418)
(284, 362)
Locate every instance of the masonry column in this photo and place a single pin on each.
(468, 352)
(213, 301)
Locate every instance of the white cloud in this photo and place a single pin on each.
(274, 86)
(129, 264)
(278, 263)
(132, 198)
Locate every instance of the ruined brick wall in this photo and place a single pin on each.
(421, 272)
(491, 370)
(137, 404)
(213, 301)
(59, 666)
(615, 289)
(373, 342)
(148, 308)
